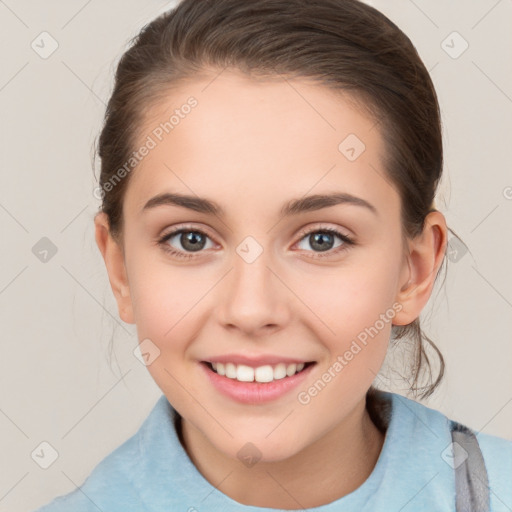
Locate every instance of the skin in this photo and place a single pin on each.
(251, 146)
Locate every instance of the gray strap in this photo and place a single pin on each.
(471, 479)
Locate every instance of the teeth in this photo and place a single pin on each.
(291, 369)
(266, 373)
(244, 373)
(230, 370)
(279, 371)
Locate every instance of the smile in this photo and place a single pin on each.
(255, 385)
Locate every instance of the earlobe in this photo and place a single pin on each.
(426, 253)
(114, 260)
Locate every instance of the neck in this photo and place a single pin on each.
(332, 467)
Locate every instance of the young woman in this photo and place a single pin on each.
(268, 178)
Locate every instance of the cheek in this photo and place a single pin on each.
(352, 316)
(348, 300)
(167, 305)
(165, 300)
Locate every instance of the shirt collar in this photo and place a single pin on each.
(168, 478)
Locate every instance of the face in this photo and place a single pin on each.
(317, 284)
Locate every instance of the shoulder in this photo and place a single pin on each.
(497, 454)
(421, 428)
(114, 484)
(496, 450)
(112, 481)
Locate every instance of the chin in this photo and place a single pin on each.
(251, 450)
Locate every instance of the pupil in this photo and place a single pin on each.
(192, 241)
(318, 239)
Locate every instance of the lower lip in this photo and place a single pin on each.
(255, 392)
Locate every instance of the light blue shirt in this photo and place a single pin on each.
(151, 471)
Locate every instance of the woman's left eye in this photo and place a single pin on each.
(195, 240)
(323, 239)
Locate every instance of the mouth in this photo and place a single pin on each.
(256, 385)
(260, 374)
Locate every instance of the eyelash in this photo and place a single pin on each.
(347, 241)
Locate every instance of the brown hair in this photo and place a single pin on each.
(344, 45)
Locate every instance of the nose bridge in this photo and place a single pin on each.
(253, 297)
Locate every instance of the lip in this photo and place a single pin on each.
(254, 392)
(256, 360)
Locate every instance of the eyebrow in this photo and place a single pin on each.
(293, 207)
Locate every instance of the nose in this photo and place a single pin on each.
(254, 298)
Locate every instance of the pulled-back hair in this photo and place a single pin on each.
(344, 45)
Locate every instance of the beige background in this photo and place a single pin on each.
(57, 383)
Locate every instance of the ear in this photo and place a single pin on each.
(421, 264)
(113, 256)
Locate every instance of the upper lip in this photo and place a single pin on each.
(255, 361)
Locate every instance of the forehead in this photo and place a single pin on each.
(270, 139)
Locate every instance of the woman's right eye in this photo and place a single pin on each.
(193, 240)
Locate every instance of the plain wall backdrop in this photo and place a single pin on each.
(57, 312)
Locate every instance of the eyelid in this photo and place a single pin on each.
(322, 227)
(187, 227)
